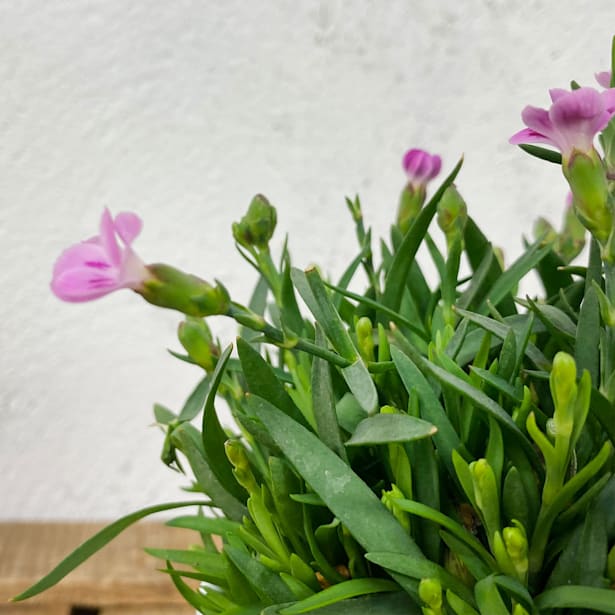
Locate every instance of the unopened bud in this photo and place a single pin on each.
(486, 494)
(256, 228)
(236, 454)
(171, 288)
(195, 336)
(564, 391)
(410, 204)
(365, 338)
(389, 500)
(452, 214)
(516, 546)
(587, 178)
(430, 593)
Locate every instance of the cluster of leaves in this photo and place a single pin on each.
(403, 449)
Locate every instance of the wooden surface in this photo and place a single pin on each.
(121, 579)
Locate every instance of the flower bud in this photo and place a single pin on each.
(256, 228)
(430, 592)
(572, 238)
(564, 391)
(544, 231)
(516, 546)
(236, 454)
(194, 335)
(388, 499)
(365, 338)
(610, 565)
(587, 178)
(452, 214)
(518, 609)
(171, 288)
(486, 494)
(410, 204)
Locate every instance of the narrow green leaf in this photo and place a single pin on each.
(205, 525)
(511, 277)
(404, 256)
(323, 401)
(425, 512)
(577, 596)
(471, 296)
(555, 319)
(339, 592)
(446, 438)
(188, 440)
(289, 311)
(193, 598)
(361, 385)
(214, 436)
(420, 568)
(587, 347)
(498, 383)
(387, 428)
(392, 603)
(212, 564)
(475, 565)
(501, 329)
(94, 544)
(263, 381)
(267, 584)
(543, 153)
(196, 400)
(163, 415)
(346, 495)
(477, 248)
(488, 597)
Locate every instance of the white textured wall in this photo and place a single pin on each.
(182, 111)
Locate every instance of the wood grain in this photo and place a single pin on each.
(118, 580)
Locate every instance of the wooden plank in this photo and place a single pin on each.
(121, 574)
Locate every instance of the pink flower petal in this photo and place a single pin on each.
(82, 284)
(556, 93)
(107, 238)
(527, 135)
(604, 78)
(128, 226)
(80, 255)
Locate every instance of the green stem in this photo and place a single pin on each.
(270, 273)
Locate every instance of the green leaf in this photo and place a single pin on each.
(212, 564)
(346, 495)
(387, 428)
(323, 401)
(339, 592)
(446, 438)
(420, 568)
(214, 436)
(94, 544)
(361, 385)
(425, 512)
(194, 403)
(477, 249)
(314, 293)
(511, 277)
(498, 383)
(577, 596)
(188, 440)
(163, 415)
(501, 329)
(289, 311)
(404, 256)
(205, 525)
(488, 597)
(543, 153)
(393, 603)
(267, 584)
(263, 381)
(194, 598)
(475, 565)
(555, 320)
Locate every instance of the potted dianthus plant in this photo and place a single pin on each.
(438, 446)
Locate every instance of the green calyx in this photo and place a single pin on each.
(256, 228)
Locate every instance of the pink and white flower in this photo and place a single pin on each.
(571, 123)
(102, 264)
(421, 167)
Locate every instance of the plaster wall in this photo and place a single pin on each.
(181, 111)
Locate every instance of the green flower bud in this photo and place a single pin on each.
(410, 204)
(517, 548)
(194, 335)
(236, 454)
(564, 391)
(519, 610)
(610, 565)
(256, 228)
(389, 500)
(430, 592)
(587, 178)
(452, 214)
(607, 310)
(171, 288)
(486, 494)
(365, 338)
